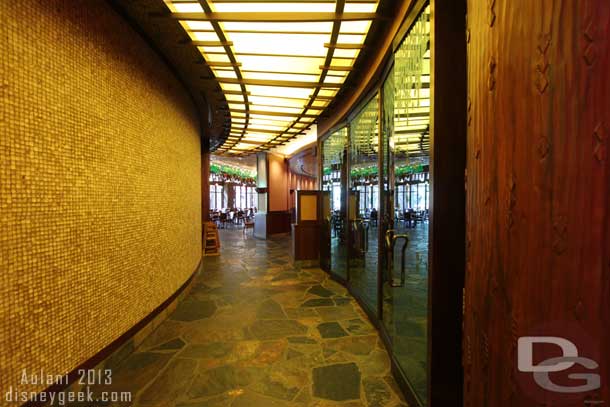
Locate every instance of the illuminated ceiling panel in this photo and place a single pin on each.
(278, 63)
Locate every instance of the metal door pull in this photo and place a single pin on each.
(391, 239)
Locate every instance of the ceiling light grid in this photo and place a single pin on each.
(280, 61)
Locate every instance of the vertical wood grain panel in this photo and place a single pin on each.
(538, 206)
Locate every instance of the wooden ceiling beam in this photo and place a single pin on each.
(219, 63)
(320, 97)
(271, 17)
(271, 54)
(234, 92)
(252, 142)
(212, 43)
(284, 84)
(344, 46)
(265, 113)
(266, 131)
(335, 68)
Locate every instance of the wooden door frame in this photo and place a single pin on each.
(447, 256)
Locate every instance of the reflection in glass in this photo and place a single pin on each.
(405, 177)
(364, 204)
(334, 179)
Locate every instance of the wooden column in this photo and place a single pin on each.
(273, 183)
(538, 199)
(447, 202)
(205, 187)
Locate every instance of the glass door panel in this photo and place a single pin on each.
(334, 180)
(325, 231)
(405, 225)
(363, 208)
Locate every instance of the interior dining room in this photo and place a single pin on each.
(244, 203)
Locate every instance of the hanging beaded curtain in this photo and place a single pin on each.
(412, 89)
(363, 140)
(334, 146)
(389, 94)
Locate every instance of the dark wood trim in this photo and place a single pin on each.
(447, 256)
(115, 345)
(303, 235)
(277, 222)
(403, 31)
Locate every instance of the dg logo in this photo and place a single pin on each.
(552, 368)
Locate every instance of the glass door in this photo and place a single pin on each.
(364, 205)
(334, 181)
(404, 176)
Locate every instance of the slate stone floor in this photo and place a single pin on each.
(256, 331)
(404, 308)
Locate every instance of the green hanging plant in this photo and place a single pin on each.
(408, 169)
(229, 172)
(363, 172)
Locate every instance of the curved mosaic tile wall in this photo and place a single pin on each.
(100, 195)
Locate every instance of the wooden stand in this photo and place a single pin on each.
(212, 241)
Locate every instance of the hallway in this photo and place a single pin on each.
(413, 197)
(256, 331)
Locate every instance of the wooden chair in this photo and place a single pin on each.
(222, 219)
(248, 224)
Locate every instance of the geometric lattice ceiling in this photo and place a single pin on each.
(279, 64)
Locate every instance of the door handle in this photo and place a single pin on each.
(365, 237)
(389, 252)
(388, 240)
(402, 260)
(362, 233)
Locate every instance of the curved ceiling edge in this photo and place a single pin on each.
(266, 71)
(168, 39)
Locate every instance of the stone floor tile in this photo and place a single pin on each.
(331, 330)
(257, 331)
(337, 382)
